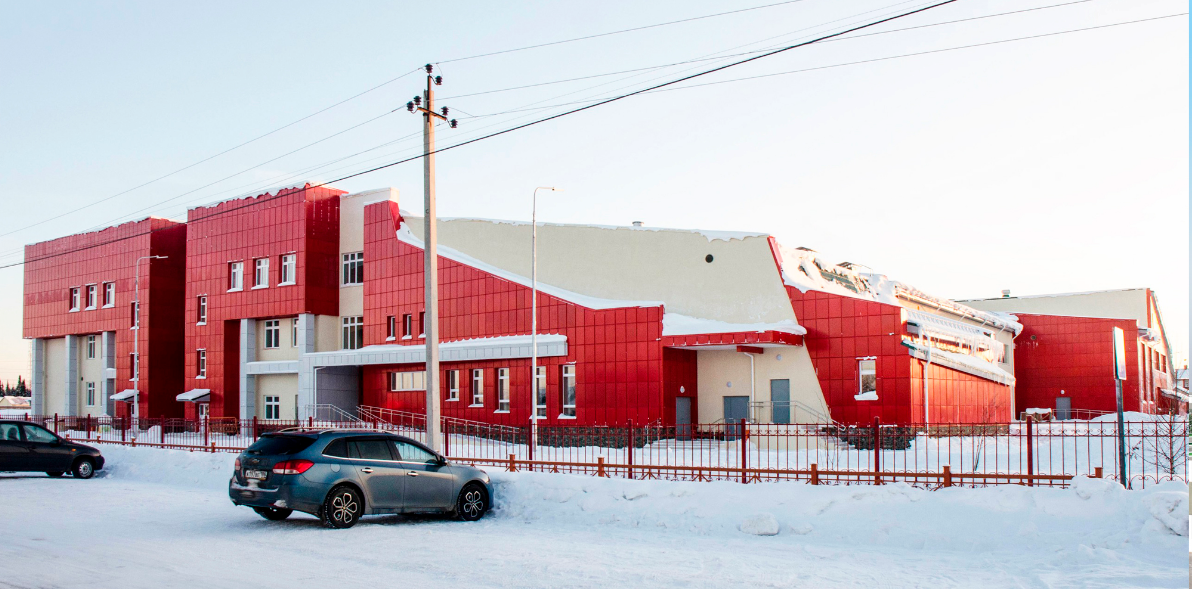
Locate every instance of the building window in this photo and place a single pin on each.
(201, 362)
(407, 326)
(294, 332)
(74, 299)
(90, 394)
(407, 381)
(422, 324)
(92, 296)
(452, 385)
(90, 347)
(502, 390)
(272, 407)
(867, 371)
(134, 369)
(236, 276)
(568, 391)
(354, 268)
(353, 333)
(202, 310)
(289, 269)
(132, 312)
(109, 294)
(477, 387)
(540, 392)
(273, 334)
(260, 274)
(390, 328)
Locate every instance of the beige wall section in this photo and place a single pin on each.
(716, 368)
(327, 333)
(351, 239)
(286, 350)
(55, 363)
(741, 285)
(351, 301)
(282, 386)
(91, 370)
(1116, 304)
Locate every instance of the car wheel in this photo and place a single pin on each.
(83, 469)
(273, 514)
(55, 473)
(472, 503)
(342, 508)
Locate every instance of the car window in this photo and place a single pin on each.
(370, 450)
(337, 448)
(37, 434)
(9, 432)
(411, 453)
(273, 444)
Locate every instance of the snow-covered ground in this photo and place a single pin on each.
(160, 518)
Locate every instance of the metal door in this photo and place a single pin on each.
(683, 418)
(780, 401)
(1063, 407)
(735, 409)
(428, 485)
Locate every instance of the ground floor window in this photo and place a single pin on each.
(353, 336)
(91, 394)
(568, 391)
(503, 390)
(407, 381)
(540, 391)
(477, 387)
(452, 385)
(272, 407)
(867, 375)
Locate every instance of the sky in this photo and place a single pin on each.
(1052, 164)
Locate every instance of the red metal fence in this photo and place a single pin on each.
(1023, 452)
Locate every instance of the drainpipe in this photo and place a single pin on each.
(750, 351)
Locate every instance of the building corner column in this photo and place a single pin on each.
(306, 375)
(37, 380)
(72, 376)
(248, 382)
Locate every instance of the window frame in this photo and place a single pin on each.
(272, 405)
(452, 385)
(74, 300)
(422, 325)
(503, 403)
(91, 297)
(390, 328)
(272, 332)
(407, 326)
(352, 269)
(355, 323)
(477, 387)
(236, 276)
(90, 347)
(260, 271)
(294, 332)
(201, 363)
(567, 411)
(202, 318)
(90, 398)
(289, 270)
(109, 295)
(862, 372)
(540, 393)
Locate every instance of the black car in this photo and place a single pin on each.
(29, 447)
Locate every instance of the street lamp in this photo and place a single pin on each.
(136, 348)
(534, 306)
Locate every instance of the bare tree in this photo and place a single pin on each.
(1167, 445)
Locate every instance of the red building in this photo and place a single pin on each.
(1064, 357)
(79, 311)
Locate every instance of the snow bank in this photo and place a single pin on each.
(173, 467)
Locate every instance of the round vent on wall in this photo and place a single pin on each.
(708, 258)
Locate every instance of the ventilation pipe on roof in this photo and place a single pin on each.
(637, 223)
(1005, 293)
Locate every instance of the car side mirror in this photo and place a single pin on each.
(440, 461)
(56, 442)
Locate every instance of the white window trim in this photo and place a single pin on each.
(563, 392)
(276, 340)
(473, 391)
(241, 287)
(202, 302)
(105, 290)
(87, 292)
(76, 299)
(503, 386)
(343, 262)
(201, 375)
(275, 403)
(90, 345)
(866, 395)
(294, 332)
(89, 392)
(293, 279)
(453, 392)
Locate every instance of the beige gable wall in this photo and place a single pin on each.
(717, 368)
(1118, 304)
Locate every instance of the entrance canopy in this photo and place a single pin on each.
(125, 395)
(195, 396)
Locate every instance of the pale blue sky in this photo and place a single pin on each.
(1047, 165)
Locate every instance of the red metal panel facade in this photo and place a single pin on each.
(617, 352)
(110, 255)
(302, 221)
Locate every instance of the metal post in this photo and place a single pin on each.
(1121, 427)
(877, 450)
(136, 340)
(431, 267)
(531, 441)
(631, 443)
(534, 312)
(744, 450)
(1030, 449)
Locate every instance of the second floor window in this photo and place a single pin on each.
(272, 334)
(294, 332)
(390, 327)
(260, 274)
(353, 333)
(91, 394)
(92, 295)
(353, 267)
(90, 347)
(202, 310)
(422, 324)
(201, 358)
(74, 299)
(407, 326)
(289, 269)
(109, 294)
(236, 276)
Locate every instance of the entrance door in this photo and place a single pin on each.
(683, 418)
(1063, 408)
(735, 409)
(780, 401)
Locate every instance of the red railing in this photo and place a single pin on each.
(1021, 452)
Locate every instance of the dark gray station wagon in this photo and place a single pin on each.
(340, 475)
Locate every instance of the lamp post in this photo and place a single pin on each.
(136, 348)
(534, 308)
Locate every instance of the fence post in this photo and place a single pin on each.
(631, 443)
(310, 422)
(123, 430)
(446, 442)
(814, 473)
(877, 450)
(55, 423)
(1030, 450)
(512, 463)
(254, 429)
(744, 440)
(1097, 472)
(530, 441)
(161, 431)
(600, 467)
(947, 475)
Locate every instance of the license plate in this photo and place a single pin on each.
(259, 475)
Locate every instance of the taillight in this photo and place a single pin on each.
(237, 463)
(292, 466)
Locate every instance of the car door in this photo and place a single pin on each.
(46, 451)
(429, 484)
(378, 471)
(14, 452)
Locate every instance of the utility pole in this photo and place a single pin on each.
(430, 252)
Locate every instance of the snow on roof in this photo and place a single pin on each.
(263, 192)
(406, 236)
(676, 324)
(1054, 295)
(962, 362)
(805, 270)
(707, 234)
(500, 340)
(941, 328)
